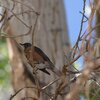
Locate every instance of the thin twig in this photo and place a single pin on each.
(50, 83)
(12, 96)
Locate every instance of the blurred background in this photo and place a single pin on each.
(72, 9)
(73, 21)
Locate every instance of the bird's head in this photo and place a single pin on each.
(26, 45)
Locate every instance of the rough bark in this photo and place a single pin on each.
(50, 35)
(97, 54)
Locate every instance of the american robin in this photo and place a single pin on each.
(38, 56)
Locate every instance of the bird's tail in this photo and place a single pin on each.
(54, 69)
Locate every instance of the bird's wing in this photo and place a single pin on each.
(45, 57)
(41, 53)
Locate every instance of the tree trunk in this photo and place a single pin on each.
(50, 35)
(97, 54)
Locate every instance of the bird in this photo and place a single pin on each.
(38, 56)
